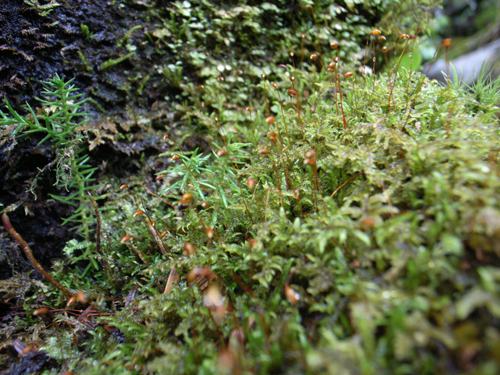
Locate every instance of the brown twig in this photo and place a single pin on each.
(172, 279)
(10, 229)
(345, 183)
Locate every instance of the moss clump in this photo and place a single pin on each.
(354, 230)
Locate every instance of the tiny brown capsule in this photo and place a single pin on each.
(381, 38)
(275, 85)
(368, 222)
(264, 151)
(189, 249)
(314, 57)
(186, 198)
(263, 75)
(220, 78)
(292, 78)
(412, 37)
(125, 238)
(201, 87)
(292, 54)
(291, 295)
(270, 119)
(248, 109)
(331, 67)
(80, 296)
(403, 36)
(348, 74)
(138, 212)
(272, 137)
(240, 72)
(163, 234)
(123, 186)
(309, 161)
(385, 49)
(447, 42)
(175, 157)
(251, 183)
(41, 311)
(165, 136)
(375, 32)
(71, 301)
(221, 153)
(292, 92)
(312, 109)
(204, 205)
(310, 154)
(334, 45)
(336, 59)
(210, 233)
(252, 242)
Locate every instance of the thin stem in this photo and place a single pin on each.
(345, 183)
(10, 229)
(341, 105)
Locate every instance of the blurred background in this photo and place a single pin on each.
(474, 27)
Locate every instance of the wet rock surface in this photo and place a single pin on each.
(74, 40)
(33, 362)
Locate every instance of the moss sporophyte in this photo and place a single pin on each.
(351, 225)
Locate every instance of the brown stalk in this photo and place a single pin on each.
(151, 226)
(329, 80)
(172, 279)
(152, 193)
(395, 69)
(316, 26)
(339, 87)
(241, 283)
(10, 229)
(345, 183)
(278, 99)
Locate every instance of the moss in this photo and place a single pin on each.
(350, 225)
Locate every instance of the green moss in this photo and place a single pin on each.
(61, 121)
(112, 62)
(361, 260)
(352, 233)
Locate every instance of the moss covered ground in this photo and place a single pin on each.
(343, 218)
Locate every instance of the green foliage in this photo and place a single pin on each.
(60, 121)
(112, 62)
(355, 230)
(206, 58)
